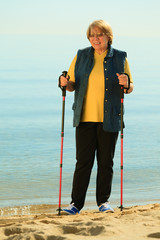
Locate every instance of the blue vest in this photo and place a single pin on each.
(113, 63)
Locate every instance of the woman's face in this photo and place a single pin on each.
(98, 40)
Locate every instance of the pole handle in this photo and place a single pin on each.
(64, 74)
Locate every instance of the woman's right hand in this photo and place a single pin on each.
(64, 82)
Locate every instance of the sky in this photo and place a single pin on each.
(71, 17)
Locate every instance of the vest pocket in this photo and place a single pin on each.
(116, 112)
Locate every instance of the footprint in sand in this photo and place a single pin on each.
(154, 235)
(84, 231)
(15, 233)
(13, 230)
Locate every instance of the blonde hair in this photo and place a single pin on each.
(105, 27)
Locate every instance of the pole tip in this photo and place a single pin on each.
(59, 211)
(121, 207)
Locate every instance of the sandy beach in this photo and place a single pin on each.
(133, 223)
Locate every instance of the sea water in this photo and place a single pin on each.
(30, 122)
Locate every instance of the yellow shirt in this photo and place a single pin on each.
(93, 105)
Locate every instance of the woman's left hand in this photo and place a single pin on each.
(123, 79)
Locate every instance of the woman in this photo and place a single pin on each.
(96, 74)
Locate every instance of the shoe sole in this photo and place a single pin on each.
(69, 213)
(108, 210)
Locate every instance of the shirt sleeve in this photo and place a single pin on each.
(71, 69)
(127, 70)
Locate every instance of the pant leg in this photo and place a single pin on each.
(105, 154)
(85, 154)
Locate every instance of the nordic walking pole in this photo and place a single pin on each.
(122, 110)
(122, 101)
(64, 73)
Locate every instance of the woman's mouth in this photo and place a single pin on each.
(97, 43)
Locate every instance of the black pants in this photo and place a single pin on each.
(91, 139)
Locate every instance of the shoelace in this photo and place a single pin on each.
(70, 206)
(105, 204)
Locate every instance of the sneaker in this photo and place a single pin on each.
(71, 209)
(105, 208)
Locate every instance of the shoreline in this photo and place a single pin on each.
(38, 209)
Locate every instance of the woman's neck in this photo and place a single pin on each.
(100, 52)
